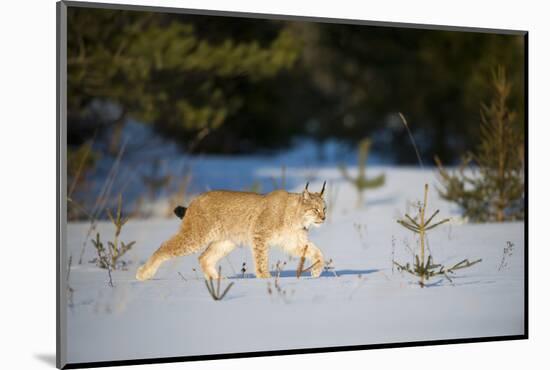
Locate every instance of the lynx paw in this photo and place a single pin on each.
(142, 274)
(317, 270)
(316, 273)
(212, 276)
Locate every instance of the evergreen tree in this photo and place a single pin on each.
(494, 188)
(436, 78)
(169, 70)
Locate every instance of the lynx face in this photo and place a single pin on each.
(314, 208)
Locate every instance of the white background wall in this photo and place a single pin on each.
(27, 181)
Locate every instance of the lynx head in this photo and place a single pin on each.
(314, 207)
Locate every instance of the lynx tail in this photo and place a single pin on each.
(180, 211)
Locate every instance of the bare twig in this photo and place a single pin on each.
(81, 167)
(102, 198)
(301, 269)
(506, 253)
(412, 139)
(215, 292)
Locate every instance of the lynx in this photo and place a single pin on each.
(218, 221)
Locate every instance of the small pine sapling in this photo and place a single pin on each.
(362, 182)
(118, 248)
(109, 258)
(215, 292)
(102, 259)
(494, 190)
(423, 267)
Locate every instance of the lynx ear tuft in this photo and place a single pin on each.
(323, 189)
(305, 193)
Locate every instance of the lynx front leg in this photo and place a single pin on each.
(210, 257)
(261, 261)
(314, 255)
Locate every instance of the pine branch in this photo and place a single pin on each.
(437, 224)
(431, 218)
(408, 226)
(413, 221)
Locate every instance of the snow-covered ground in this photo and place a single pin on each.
(369, 302)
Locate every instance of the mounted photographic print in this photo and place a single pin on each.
(234, 184)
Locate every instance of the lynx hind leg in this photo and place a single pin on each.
(260, 251)
(210, 257)
(178, 245)
(149, 269)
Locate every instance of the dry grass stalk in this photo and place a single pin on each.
(215, 292)
(181, 276)
(282, 293)
(70, 290)
(329, 267)
(282, 185)
(506, 254)
(83, 160)
(332, 195)
(405, 123)
(300, 270)
(101, 199)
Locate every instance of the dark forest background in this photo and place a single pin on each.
(236, 85)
